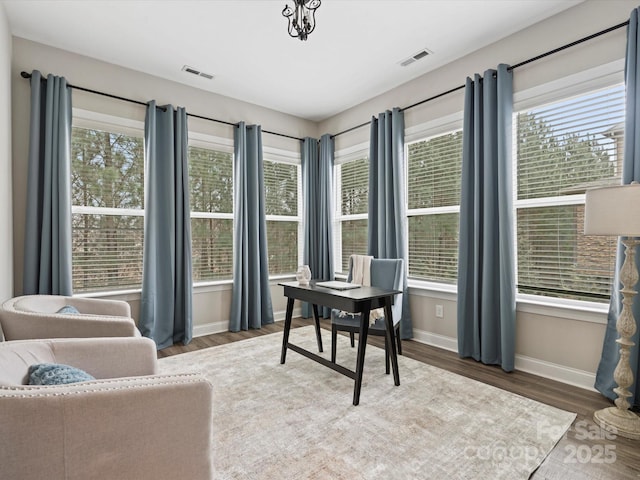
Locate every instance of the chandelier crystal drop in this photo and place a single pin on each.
(302, 17)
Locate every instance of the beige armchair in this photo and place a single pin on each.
(128, 424)
(35, 316)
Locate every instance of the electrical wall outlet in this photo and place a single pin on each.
(439, 311)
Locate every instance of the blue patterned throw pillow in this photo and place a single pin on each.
(69, 310)
(56, 374)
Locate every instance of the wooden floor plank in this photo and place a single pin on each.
(584, 453)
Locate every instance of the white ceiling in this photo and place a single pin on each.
(353, 54)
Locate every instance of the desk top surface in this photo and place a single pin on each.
(358, 294)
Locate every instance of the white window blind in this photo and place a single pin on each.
(352, 209)
(354, 240)
(433, 200)
(281, 208)
(354, 194)
(107, 170)
(434, 171)
(563, 149)
(211, 203)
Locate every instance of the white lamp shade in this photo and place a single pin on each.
(613, 211)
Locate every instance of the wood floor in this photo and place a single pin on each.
(584, 453)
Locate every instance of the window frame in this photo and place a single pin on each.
(212, 142)
(453, 126)
(278, 155)
(580, 83)
(575, 85)
(351, 154)
(88, 119)
(418, 133)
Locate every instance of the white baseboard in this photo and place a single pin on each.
(436, 340)
(219, 327)
(210, 328)
(553, 371)
(542, 368)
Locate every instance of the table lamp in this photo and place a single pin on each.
(614, 211)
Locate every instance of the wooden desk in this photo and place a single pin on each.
(358, 300)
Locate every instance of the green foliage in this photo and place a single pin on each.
(556, 155)
(280, 189)
(434, 172)
(107, 171)
(211, 191)
(355, 187)
(560, 156)
(354, 240)
(210, 180)
(282, 247)
(552, 163)
(211, 249)
(433, 247)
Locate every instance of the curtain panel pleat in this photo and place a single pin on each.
(47, 244)
(630, 173)
(166, 311)
(486, 267)
(317, 187)
(387, 215)
(251, 297)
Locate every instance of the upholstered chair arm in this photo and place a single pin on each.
(103, 358)
(43, 325)
(35, 316)
(156, 427)
(101, 306)
(80, 326)
(108, 357)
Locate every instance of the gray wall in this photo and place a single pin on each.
(561, 343)
(556, 342)
(211, 304)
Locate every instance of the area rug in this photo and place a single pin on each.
(296, 421)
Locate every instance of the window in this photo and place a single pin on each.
(564, 148)
(281, 209)
(352, 182)
(433, 206)
(107, 183)
(211, 202)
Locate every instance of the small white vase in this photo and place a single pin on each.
(303, 275)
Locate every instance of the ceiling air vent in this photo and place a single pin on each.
(193, 71)
(421, 54)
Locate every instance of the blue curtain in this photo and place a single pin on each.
(317, 179)
(166, 312)
(630, 172)
(486, 269)
(251, 298)
(387, 216)
(47, 243)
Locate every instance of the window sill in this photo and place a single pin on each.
(129, 294)
(423, 288)
(591, 312)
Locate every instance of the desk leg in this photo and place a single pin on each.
(362, 345)
(317, 319)
(391, 341)
(287, 327)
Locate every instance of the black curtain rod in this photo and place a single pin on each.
(236, 125)
(513, 67)
(28, 76)
(137, 102)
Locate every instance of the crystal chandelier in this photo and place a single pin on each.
(302, 17)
